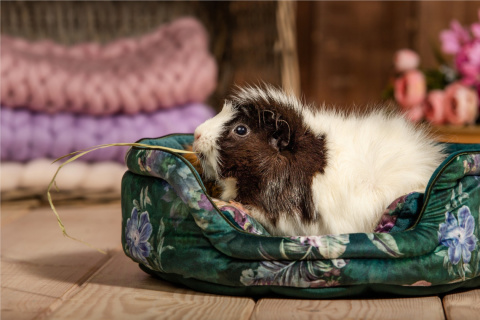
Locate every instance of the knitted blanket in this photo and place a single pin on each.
(168, 67)
(79, 175)
(28, 135)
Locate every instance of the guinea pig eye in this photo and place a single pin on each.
(241, 130)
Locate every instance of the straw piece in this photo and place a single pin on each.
(77, 154)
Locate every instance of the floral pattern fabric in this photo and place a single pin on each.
(137, 234)
(177, 232)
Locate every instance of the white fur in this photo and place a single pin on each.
(371, 161)
(208, 133)
(229, 189)
(287, 99)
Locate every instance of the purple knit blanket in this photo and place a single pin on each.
(27, 135)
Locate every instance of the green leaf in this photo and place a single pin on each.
(292, 247)
(388, 93)
(386, 243)
(169, 196)
(333, 246)
(179, 212)
(467, 268)
(450, 270)
(440, 251)
(160, 247)
(146, 199)
(319, 265)
(141, 196)
(435, 79)
(461, 271)
(136, 205)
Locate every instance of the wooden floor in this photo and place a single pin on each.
(47, 276)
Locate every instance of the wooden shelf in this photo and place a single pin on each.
(457, 134)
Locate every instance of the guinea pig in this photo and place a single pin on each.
(302, 170)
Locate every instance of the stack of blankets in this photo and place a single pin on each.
(58, 99)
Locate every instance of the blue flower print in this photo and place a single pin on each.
(458, 235)
(137, 233)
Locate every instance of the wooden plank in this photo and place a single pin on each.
(454, 134)
(121, 290)
(435, 16)
(13, 210)
(462, 306)
(352, 48)
(40, 267)
(254, 53)
(305, 18)
(406, 308)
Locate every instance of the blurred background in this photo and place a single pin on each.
(81, 73)
(346, 48)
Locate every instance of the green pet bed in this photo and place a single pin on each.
(424, 243)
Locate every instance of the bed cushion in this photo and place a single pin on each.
(424, 243)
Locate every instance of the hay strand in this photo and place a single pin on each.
(77, 154)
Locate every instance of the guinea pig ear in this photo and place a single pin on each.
(281, 136)
(268, 118)
(279, 129)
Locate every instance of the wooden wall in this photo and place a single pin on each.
(346, 48)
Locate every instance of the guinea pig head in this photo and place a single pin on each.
(263, 153)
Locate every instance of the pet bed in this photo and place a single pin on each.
(424, 244)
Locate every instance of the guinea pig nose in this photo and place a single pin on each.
(197, 135)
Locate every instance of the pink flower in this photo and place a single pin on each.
(467, 62)
(434, 108)
(458, 41)
(405, 60)
(476, 30)
(461, 104)
(410, 89)
(414, 114)
(452, 39)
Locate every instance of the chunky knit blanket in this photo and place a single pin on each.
(78, 175)
(168, 67)
(28, 135)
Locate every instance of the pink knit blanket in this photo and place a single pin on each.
(168, 67)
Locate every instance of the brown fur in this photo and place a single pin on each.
(275, 163)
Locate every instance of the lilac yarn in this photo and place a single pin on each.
(28, 135)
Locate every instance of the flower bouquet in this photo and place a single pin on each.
(448, 94)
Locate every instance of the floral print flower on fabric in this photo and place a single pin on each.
(137, 233)
(472, 164)
(388, 219)
(301, 274)
(329, 246)
(240, 215)
(458, 235)
(204, 203)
